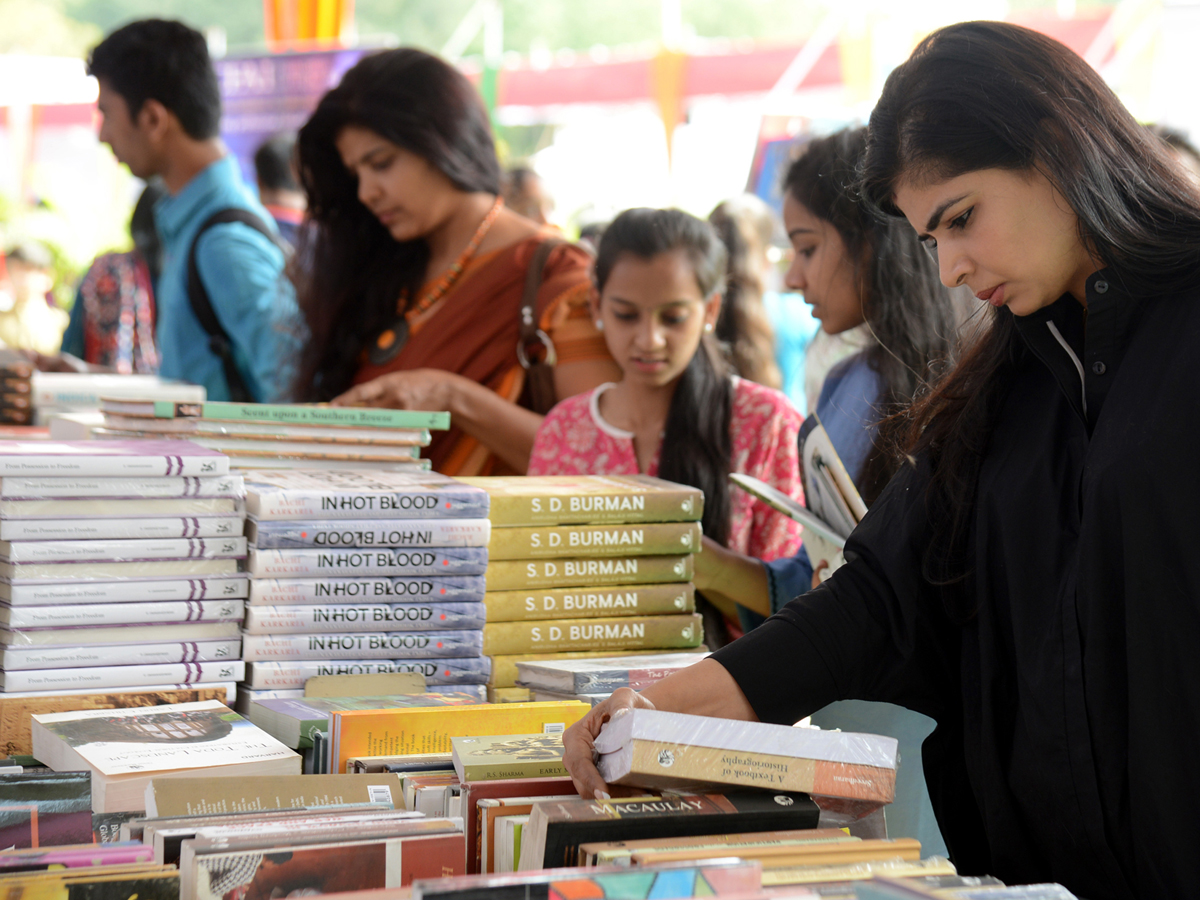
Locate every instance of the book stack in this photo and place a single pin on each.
(364, 573)
(587, 565)
(278, 436)
(118, 567)
(56, 393)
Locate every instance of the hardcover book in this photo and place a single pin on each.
(32, 572)
(369, 533)
(231, 587)
(118, 634)
(304, 591)
(75, 487)
(589, 499)
(109, 459)
(506, 756)
(292, 722)
(41, 809)
(618, 633)
(604, 674)
(285, 675)
(123, 550)
(574, 603)
(355, 617)
(410, 562)
(288, 413)
(312, 433)
(125, 748)
(376, 645)
(17, 659)
(311, 495)
(522, 575)
(109, 529)
(654, 539)
(122, 676)
(121, 613)
(92, 508)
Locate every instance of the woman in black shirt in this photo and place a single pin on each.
(1029, 580)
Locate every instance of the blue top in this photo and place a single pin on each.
(243, 273)
(795, 328)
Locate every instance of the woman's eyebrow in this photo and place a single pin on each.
(936, 218)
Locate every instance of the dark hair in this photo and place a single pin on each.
(745, 226)
(157, 59)
(273, 163)
(906, 307)
(355, 270)
(696, 445)
(143, 230)
(981, 95)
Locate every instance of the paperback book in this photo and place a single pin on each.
(313, 495)
(589, 499)
(655, 539)
(375, 645)
(110, 459)
(32, 572)
(74, 615)
(289, 413)
(293, 675)
(76, 487)
(41, 809)
(122, 676)
(92, 508)
(410, 562)
(505, 756)
(521, 575)
(305, 591)
(418, 437)
(118, 634)
(231, 587)
(14, 659)
(168, 797)
(504, 666)
(355, 617)
(362, 533)
(618, 633)
(292, 722)
(123, 550)
(109, 529)
(603, 675)
(575, 603)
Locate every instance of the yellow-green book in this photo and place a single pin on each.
(491, 757)
(588, 499)
(656, 539)
(590, 603)
(523, 574)
(617, 633)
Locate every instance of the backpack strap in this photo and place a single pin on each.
(219, 341)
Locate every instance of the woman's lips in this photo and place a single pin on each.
(994, 295)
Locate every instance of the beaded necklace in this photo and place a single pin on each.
(393, 338)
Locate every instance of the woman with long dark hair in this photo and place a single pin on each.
(1029, 579)
(677, 411)
(416, 281)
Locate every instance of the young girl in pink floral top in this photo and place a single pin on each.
(677, 412)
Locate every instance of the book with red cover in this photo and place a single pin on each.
(474, 791)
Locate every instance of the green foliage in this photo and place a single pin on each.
(242, 20)
(43, 28)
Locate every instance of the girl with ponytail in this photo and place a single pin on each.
(677, 413)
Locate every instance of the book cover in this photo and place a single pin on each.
(656, 749)
(37, 862)
(123, 550)
(21, 572)
(17, 659)
(575, 603)
(288, 413)
(111, 458)
(774, 878)
(557, 828)
(376, 645)
(617, 633)
(122, 676)
(272, 444)
(117, 634)
(109, 529)
(292, 722)
(285, 675)
(355, 617)
(69, 487)
(363, 533)
(619, 852)
(484, 802)
(232, 587)
(504, 666)
(41, 809)
(774, 856)
(305, 591)
(170, 797)
(393, 732)
(93, 508)
(521, 575)
(654, 539)
(506, 756)
(313, 433)
(121, 613)
(89, 389)
(403, 561)
(312, 495)
(604, 674)
(16, 711)
(589, 499)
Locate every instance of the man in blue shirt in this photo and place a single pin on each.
(162, 109)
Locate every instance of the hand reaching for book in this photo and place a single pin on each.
(412, 389)
(579, 745)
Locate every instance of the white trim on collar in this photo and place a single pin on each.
(607, 427)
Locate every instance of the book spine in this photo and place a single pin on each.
(302, 414)
(179, 588)
(573, 603)
(595, 541)
(391, 561)
(93, 635)
(328, 591)
(157, 507)
(118, 529)
(685, 504)
(437, 672)
(102, 466)
(350, 617)
(72, 488)
(122, 676)
(14, 659)
(378, 645)
(118, 550)
(123, 614)
(633, 633)
(448, 502)
(105, 571)
(524, 574)
(360, 533)
(496, 771)
(608, 681)
(504, 665)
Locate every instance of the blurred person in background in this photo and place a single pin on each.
(31, 322)
(424, 291)
(226, 316)
(278, 187)
(1181, 148)
(746, 226)
(525, 193)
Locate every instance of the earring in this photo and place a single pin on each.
(708, 327)
(599, 325)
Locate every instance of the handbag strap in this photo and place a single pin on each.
(531, 334)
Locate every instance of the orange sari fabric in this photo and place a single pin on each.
(473, 332)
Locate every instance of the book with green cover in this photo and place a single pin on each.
(493, 757)
(617, 633)
(652, 539)
(524, 574)
(589, 499)
(316, 414)
(590, 603)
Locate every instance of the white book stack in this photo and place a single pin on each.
(119, 566)
(363, 573)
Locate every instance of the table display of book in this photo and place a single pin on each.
(118, 566)
(594, 679)
(357, 573)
